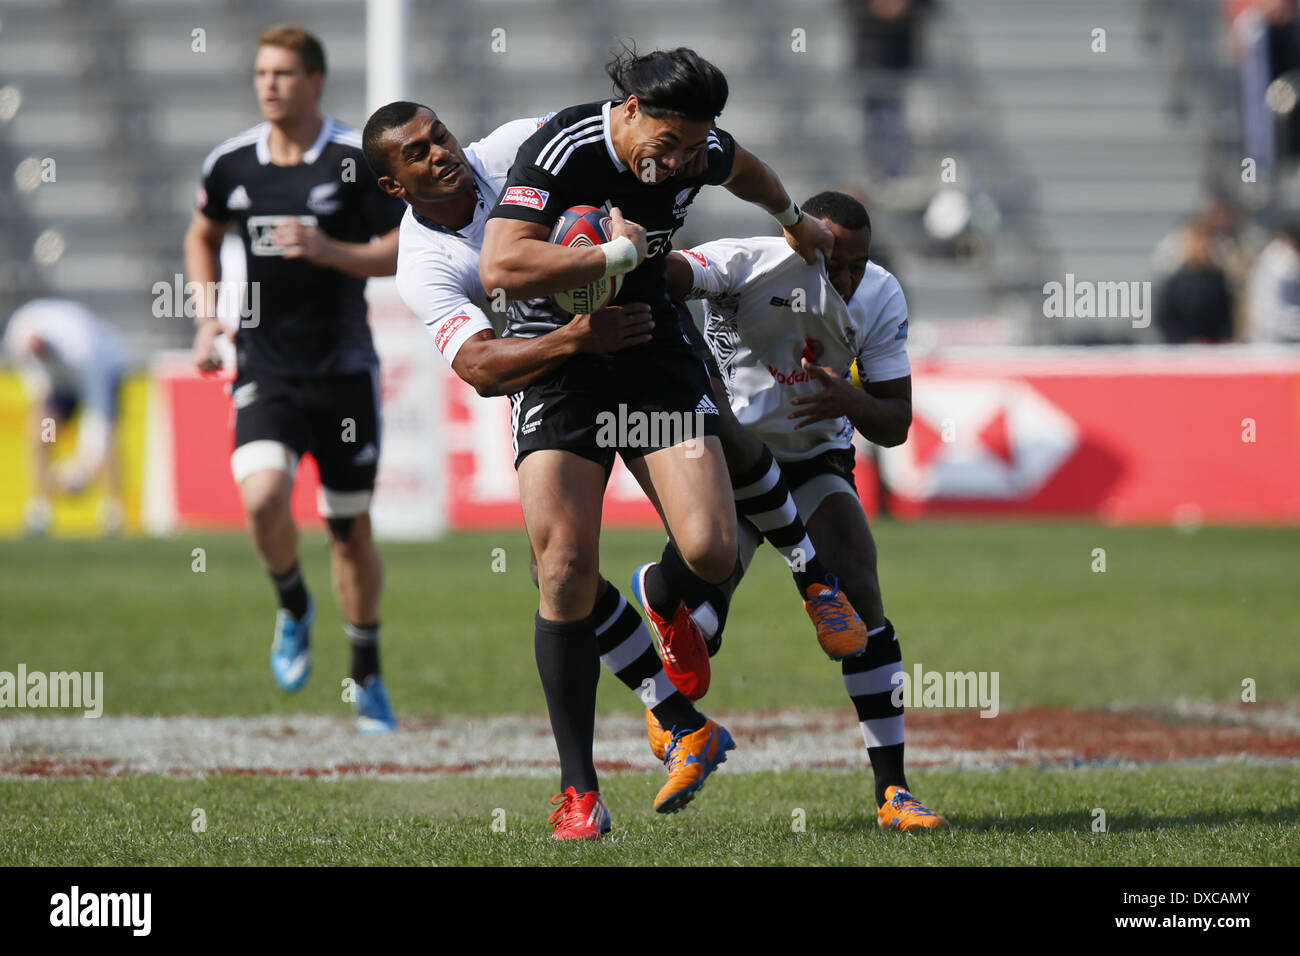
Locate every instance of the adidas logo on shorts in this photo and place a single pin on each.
(706, 406)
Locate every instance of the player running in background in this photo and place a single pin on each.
(69, 359)
(647, 154)
(297, 190)
(784, 373)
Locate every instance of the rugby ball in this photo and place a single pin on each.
(585, 226)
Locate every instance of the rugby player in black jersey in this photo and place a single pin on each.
(297, 190)
(645, 154)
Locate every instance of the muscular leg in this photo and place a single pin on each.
(583, 620)
(266, 494)
(763, 498)
(840, 530)
(694, 497)
(562, 494)
(357, 572)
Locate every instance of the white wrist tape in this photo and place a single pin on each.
(620, 256)
(790, 215)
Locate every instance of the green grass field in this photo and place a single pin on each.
(1175, 616)
(1219, 816)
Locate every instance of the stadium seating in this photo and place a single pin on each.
(1085, 166)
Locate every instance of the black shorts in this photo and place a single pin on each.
(633, 402)
(695, 338)
(61, 403)
(334, 417)
(837, 461)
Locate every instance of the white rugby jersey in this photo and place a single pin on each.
(85, 354)
(752, 290)
(437, 267)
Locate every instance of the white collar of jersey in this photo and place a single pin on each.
(609, 140)
(309, 157)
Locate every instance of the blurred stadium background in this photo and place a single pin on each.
(999, 149)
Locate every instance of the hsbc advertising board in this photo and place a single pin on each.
(1138, 435)
(1143, 435)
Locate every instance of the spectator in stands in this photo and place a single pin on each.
(1274, 287)
(1231, 243)
(69, 359)
(1266, 40)
(1195, 303)
(888, 42)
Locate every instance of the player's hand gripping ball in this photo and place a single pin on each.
(585, 226)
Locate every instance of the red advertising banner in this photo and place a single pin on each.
(1128, 435)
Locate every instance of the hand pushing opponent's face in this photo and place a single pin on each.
(427, 162)
(848, 262)
(656, 148)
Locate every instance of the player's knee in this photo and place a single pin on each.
(709, 549)
(532, 570)
(342, 528)
(267, 504)
(564, 573)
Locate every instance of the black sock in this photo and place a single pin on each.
(626, 649)
(814, 572)
(569, 667)
(869, 679)
(670, 582)
(364, 639)
(763, 499)
(718, 597)
(291, 590)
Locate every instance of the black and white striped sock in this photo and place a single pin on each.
(763, 499)
(627, 651)
(870, 680)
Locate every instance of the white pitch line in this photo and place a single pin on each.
(482, 746)
(512, 745)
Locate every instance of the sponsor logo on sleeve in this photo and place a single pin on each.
(525, 196)
(902, 331)
(696, 256)
(448, 330)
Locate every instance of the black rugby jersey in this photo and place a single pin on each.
(311, 320)
(570, 161)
